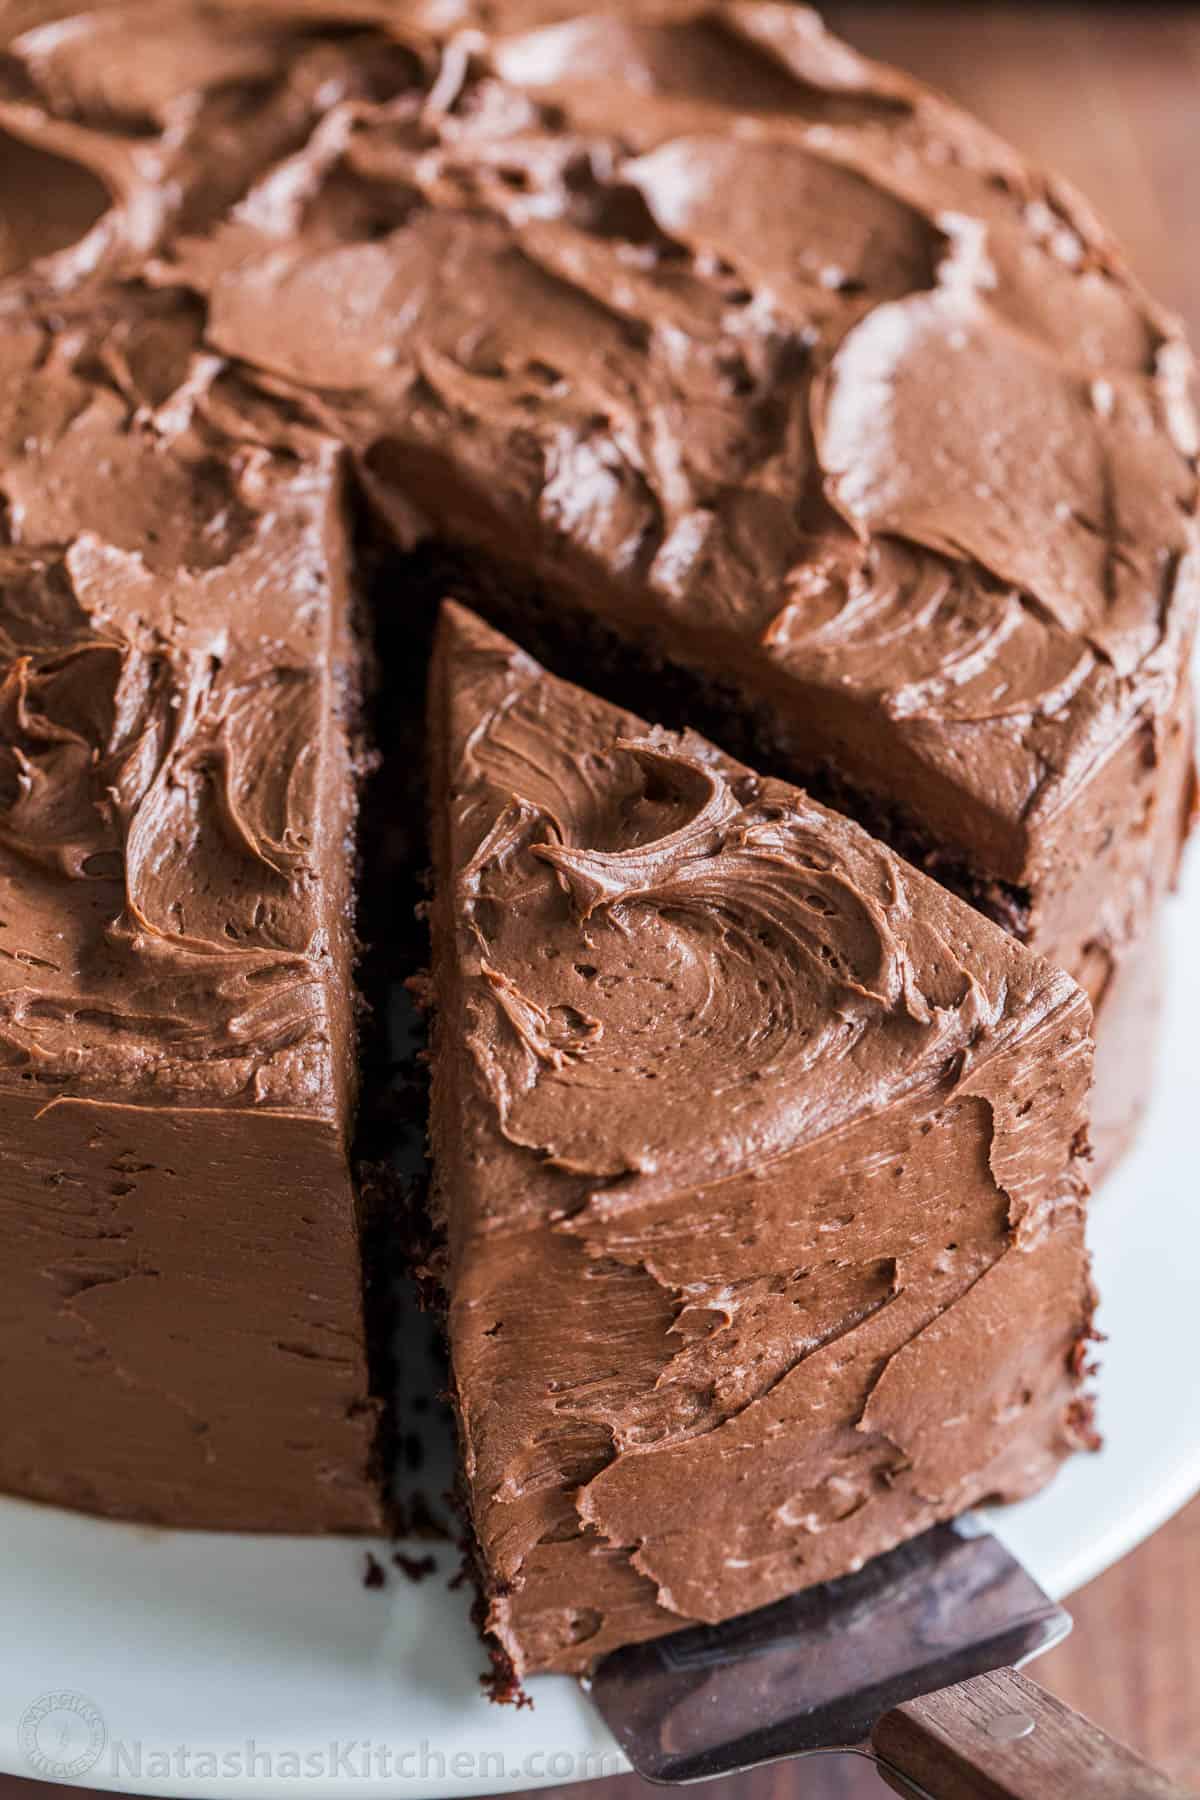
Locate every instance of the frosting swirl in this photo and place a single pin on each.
(163, 760)
(651, 914)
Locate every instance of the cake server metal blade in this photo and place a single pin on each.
(816, 1671)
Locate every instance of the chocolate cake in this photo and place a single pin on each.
(718, 364)
(758, 1160)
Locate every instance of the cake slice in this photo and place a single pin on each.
(758, 1160)
(182, 1336)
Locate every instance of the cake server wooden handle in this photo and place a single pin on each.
(1001, 1737)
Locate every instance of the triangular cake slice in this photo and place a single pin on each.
(758, 1157)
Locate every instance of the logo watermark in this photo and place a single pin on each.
(63, 1737)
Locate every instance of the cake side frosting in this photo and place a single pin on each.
(182, 1331)
(758, 1159)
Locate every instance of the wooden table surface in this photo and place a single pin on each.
(1110, 96)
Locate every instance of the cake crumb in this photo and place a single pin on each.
(415, 1518)
(415, 1567)
(374, 1573)
(501, 1683)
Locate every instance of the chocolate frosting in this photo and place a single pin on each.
(758, 1156)
(765, 951)
(182, 1334)
(163, 758)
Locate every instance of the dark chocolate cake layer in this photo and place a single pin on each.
(758, 1160)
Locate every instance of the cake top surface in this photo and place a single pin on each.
(168, 663)
(673, 970)
(684, 302)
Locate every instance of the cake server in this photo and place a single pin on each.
(911, 1661)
